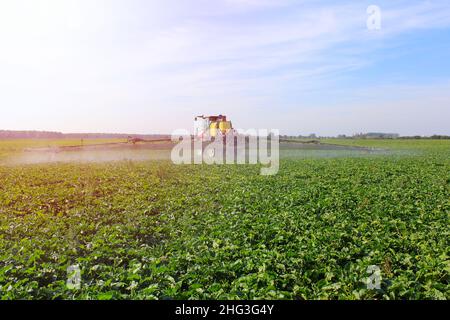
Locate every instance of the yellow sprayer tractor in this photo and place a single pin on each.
(211, 126)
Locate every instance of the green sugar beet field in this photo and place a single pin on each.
(154, 230)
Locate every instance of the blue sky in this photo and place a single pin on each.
(299, 66)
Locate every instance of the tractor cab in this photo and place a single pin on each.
(211, 126)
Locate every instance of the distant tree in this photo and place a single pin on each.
(440, 137)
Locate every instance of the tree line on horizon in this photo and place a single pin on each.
(27, 134)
